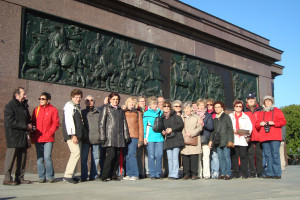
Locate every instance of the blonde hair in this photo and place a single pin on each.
(131, 99)
(151, 100)
(201, 101)
(210, 100)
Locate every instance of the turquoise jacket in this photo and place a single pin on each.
(149, 117)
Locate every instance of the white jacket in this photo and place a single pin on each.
(244, 123)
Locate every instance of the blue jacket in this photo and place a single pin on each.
(149, 117)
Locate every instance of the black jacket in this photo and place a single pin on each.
(208, 125)
(223, 125)
(113, 127)
(17, 118)
(175, 122)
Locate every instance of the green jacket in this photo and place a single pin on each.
(223, 125)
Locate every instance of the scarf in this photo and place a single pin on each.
(76, 106)
(237, 124)
(201, 113)
(267, 109)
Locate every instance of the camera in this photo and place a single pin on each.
(267, 127)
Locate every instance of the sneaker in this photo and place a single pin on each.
(70, 180)
(134, 178)
(127, 178)
(51, 180)
(277, 177)
(42, 180)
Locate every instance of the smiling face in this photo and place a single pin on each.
(238, 107)
(142, 102)
(251, 101)
(177, 107)
(131, 105)
(77, 99)
(268, 103)
(201, 106)
(218, 108)
(43, 100)
(114, 101)
(209, 105)
(188, 110)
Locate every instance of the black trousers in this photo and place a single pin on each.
(240, 152)
(11, 155)
(111, 162)
(190, 164)
(255, 151)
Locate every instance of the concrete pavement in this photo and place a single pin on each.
(242, 189)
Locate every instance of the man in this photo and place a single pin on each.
(73, 132)
(17, 125)
(46, 121)
(90, 118)
(160, 102)
(254, 147)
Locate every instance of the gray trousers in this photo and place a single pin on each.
(11, 155)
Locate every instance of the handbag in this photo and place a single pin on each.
(188, 140)
(158, 125)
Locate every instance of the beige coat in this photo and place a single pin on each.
(191, 125)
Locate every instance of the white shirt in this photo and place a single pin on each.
(69, 110)
(244, 123)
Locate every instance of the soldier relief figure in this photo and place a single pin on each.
(71, 55)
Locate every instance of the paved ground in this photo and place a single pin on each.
(242, 189)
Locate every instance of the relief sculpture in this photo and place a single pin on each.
(59, 51)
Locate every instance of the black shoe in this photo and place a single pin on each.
(141, 176)
(76, 179)
(236, 176)
(157, 177)
(268, 177)
(115, 178)
(70, 180)
(277, 177)
(252, 176)
(259, 175)
(83, 180)
(244, 177)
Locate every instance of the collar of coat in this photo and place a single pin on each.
(109, 105)
(24, 103)
(132, 110)
(267, 109)
(172, 112)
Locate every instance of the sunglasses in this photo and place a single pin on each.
(88, 100)
(209, 104)
(167, 106)
(177, 106)
(42, 99)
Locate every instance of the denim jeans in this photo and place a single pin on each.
(225, 161)
(214, 163)
(131, 161)
(272, 156)
(85, 147)
(155, 153)
(44, 153)
(173, 162)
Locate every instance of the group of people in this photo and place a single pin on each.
(150, 139)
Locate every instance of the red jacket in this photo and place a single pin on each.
(253, 117)
(275, 131)
(46, 121)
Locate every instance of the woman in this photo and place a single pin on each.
(222, 139)
(153, 140)
(113, 135)
(190, 154)
(45, 119)
(173, 139)
(269, 124)
(240, 121)
(208, 126)
(214, 160)
(135, 125)
(177, 107)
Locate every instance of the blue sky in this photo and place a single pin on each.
(276, 20)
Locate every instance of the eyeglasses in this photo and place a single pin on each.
(209, 104)
(89, 100)
(177, 106)
(218, 107)
(238, 106)
(167, 106)
(42, 99)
